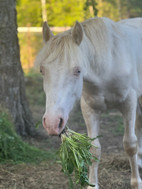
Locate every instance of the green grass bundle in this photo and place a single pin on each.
(76, 157)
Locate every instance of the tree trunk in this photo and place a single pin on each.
(12, 86)
(44, 14)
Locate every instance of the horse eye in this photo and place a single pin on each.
(42, 70)
(76, 71)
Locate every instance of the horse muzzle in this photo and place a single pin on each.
(54, 125)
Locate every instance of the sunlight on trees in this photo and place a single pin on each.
(119, 9)
(29, 13)
(59, 13)
(65, 13)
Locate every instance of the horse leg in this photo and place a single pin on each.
(92, 123)
(139, 131)
(128, 110)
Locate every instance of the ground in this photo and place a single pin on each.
(114, 169)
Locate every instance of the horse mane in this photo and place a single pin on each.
(96, 35)
(95, 30)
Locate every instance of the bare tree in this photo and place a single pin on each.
(119, 8)
(12, 87)
(44, 14)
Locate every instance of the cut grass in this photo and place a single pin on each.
(76, 157)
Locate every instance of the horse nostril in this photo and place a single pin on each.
(60, 124)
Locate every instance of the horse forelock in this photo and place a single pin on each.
(60, 47)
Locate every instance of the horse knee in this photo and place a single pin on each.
(96, 149)
(136, 183)
(130, 146)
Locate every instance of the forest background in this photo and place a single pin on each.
(64, 13)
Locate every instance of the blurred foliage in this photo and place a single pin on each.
(66, 12)
(92, 5)
(13, 149)
(29, 13)
(119, 9)
(59, 12)
(30, 44)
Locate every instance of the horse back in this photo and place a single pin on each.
(135, 22)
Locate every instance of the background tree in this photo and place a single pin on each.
(59, 12)
(12, 87)
(29, 12)
(91, 5)
(64, 13)
(119, 9)
(44, 14)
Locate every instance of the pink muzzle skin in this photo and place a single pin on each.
(53, 125)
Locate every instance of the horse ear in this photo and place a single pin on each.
(47, 33)
(77, 33)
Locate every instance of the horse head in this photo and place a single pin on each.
(60, 64)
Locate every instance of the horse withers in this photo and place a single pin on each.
(100, 62)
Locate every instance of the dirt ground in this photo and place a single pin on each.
(114, 170)
(114, 173)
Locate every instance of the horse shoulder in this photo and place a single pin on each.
(92, 94)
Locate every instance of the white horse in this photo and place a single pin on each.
(99, 61)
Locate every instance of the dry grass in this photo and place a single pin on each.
(114, 173)
(26, 176)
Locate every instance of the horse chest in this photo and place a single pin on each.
(105, 97)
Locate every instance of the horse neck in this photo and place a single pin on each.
(97, 56)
